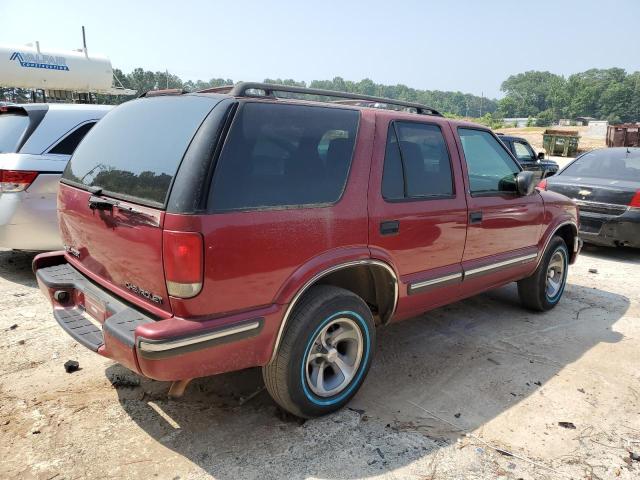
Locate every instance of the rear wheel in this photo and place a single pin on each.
(542, 290)
(325, 353)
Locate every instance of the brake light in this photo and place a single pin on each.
(16, 180)
(635, 201)
(183, 263)
(543, 184)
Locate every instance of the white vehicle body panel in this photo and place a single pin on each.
(28, 219)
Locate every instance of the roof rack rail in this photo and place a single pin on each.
(159, 93)
(243, 89)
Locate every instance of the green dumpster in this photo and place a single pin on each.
(560, 142)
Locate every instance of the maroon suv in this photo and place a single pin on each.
(228, 229)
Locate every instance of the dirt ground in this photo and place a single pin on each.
(473, 390)
(534, 136)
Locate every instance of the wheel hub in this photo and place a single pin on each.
(334, 361)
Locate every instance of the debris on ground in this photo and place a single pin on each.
(504, 452)
(71, 366)
(593, 270)
(634, 456)
(581, 390)
(124, 380)
(13, 327)
(568, 425)
(457, 415)
(539, 383)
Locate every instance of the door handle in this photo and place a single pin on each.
(389, 227)
(475, 217)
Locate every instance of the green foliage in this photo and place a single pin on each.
(610, 93)
(531, 122)
(544, 118)
(604, 94)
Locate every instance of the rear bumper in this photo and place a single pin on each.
(162, 349)
(611, 230)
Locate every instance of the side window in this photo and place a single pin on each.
(491, 169)
(416, 163)
(68, 144)
(327, 138)
(284, 156)
(523, 152)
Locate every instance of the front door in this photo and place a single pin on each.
(418, 211)
(504, 227)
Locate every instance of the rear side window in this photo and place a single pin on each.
(135, 150)
(284, 156)
(12, 127)
(416, 163)
(491, 169)
(68, 144)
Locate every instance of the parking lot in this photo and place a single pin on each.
(473, 390)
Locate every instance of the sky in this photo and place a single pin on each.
(465, 45)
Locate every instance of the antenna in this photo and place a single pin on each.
(84, 41)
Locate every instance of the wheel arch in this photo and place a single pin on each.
(370, 279)
(568, 231)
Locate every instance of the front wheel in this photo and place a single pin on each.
(325, 353)
(542, 290)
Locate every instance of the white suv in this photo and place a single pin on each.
(36, 142)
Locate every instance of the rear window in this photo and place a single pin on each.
(280, 156)
(135, 150)
(12, 127)
(610, 164)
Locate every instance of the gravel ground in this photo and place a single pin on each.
(473, 390)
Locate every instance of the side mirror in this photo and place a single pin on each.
(526, 183)
(540, 155)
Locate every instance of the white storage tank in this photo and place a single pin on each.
(35, 68)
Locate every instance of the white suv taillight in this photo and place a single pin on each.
(183, 263)
(16, 180)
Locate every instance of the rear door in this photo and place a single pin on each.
(280, 202)
(417, 210)
(504, 227)
(115, 188)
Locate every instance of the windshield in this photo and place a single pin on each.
(12, 127)
(135, 150)
(614, 164)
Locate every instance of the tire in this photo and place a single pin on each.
(293, 378)
(539, 291)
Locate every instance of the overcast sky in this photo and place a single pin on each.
(465, 45)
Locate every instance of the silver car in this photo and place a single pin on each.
(36, 142)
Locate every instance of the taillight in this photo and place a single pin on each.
(543, 184)
(15, 180)
(183, 263)
(635, 201)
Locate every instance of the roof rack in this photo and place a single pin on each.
(159, 93)
(247, 89)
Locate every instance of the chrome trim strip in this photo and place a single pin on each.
(546, 243)
(148, 346)
(493, 266)
(434, 281)
(317, 277)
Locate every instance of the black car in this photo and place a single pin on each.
(527, 156)
(605, 184)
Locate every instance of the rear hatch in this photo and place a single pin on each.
(114, 193)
